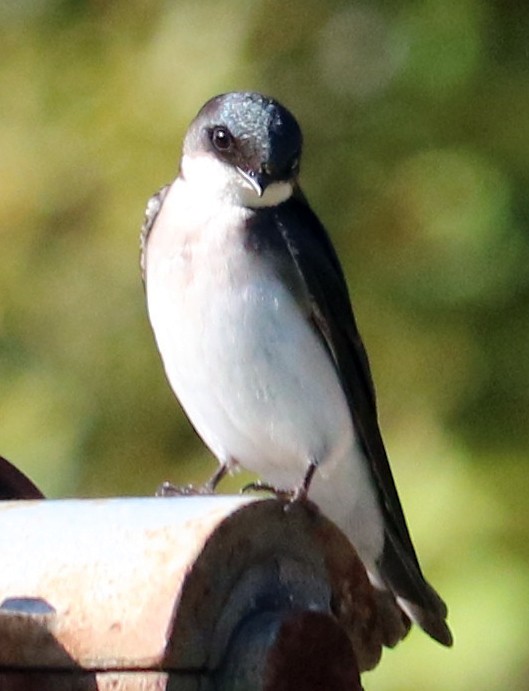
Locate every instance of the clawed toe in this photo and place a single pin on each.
(285, 495)
(298, 494)
(166, 489)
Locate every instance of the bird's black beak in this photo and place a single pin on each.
(258, 181)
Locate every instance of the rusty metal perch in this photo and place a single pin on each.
(190, 593)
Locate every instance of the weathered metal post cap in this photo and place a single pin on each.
(180, 593)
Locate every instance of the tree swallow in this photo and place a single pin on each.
(253, 321)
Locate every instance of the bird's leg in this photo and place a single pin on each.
(301, 493)
(210, 485)
(166, 489)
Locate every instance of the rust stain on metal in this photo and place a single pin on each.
(313, 653)
(80, 680)
(367, 615)
(163, 583)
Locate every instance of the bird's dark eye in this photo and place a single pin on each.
(294, 166)
(221, 139)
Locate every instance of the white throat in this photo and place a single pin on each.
(213, 178)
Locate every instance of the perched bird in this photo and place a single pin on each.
(253, 321)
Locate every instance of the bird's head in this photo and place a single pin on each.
(245, 145)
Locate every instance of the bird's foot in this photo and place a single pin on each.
(283, 494)
(288, 495)
(166, 489)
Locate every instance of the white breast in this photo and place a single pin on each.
(244, 361)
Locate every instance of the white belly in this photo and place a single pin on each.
(250, 371)
(248, 368)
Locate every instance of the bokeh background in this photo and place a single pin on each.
(416, 118)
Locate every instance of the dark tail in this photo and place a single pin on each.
(413, 594)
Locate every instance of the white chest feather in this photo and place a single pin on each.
(240, 354)
(243, 358)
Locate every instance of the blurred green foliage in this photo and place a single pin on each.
(416, 116)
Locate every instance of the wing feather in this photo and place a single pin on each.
(320, 270)
(152, 210)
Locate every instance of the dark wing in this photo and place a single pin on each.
(316, 260)
(151, 213)
(299, 234)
